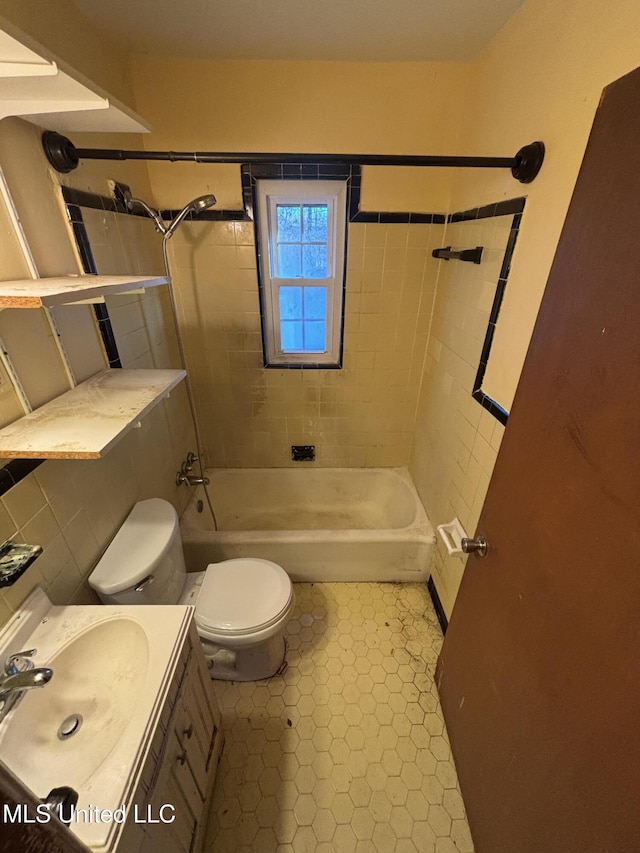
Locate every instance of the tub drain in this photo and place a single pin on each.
(70, 726)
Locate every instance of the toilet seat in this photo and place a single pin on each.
(243, 600)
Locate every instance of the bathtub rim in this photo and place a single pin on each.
(419, 530)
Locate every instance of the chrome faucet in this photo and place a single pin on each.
(184, 475)
(20, 675)
(190, 480)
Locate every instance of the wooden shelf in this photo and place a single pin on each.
(46, 292)
(87, 421)
(37, 85)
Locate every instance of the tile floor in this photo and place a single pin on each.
(347, 751)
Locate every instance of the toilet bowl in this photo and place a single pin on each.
(241, 605)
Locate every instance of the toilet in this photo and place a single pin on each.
(241, 605)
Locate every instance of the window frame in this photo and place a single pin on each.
(269, 193)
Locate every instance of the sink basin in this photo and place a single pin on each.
(98, 678)
(92, 725)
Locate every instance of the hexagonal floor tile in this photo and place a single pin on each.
(347, 751)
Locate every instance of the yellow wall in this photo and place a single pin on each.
(314, 107)
(59, 26)
(540, 78)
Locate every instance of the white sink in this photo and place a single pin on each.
(112, 666)
(98, 678)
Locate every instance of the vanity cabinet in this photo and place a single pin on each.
(169, 808)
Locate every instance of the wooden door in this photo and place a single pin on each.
(540, 669)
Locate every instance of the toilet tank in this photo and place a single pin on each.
(144, 563)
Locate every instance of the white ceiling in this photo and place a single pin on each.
(359, 30)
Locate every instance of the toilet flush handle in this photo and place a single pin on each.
(144, 583)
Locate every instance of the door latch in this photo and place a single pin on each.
(477, 546)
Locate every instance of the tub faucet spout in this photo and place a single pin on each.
(190, 480)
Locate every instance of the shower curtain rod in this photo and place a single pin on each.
(64, 157)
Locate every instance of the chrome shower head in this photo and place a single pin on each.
(196, 205)
(203, 202)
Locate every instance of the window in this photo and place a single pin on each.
(302, 249)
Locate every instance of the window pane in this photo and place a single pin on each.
(291, 335)
(314, 223)
(289, 261)
(315, 336)
(315, 303)
(291, 303)
(288, 218)
(314, 261)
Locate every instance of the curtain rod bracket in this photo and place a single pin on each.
(60, 150)
(63, 155)
(528, 162)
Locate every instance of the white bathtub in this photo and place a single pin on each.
(319, 524)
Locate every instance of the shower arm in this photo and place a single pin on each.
(63, 155)
(131, 202)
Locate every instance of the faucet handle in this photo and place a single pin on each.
(19, 662)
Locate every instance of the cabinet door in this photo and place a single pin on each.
(176, 796)
(197, 729)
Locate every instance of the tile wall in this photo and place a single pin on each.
(142, 323)
(456, 440)
(362, 415)
(73, 508)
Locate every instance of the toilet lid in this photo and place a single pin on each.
(242, 596)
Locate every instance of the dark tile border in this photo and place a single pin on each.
(81, 198)
(514, 206)
(250, 173)
(16, 470)
(208, 216)
(89, 266)
(499, 208)
(437, 605)
(399, 218)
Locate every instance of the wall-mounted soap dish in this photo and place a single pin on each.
(452, 535)
(15, 559)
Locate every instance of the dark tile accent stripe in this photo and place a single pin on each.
(82, 239)
(477, 393)
(437, 604)
(252, 172)
(87, 199)
(277, 171)
(16, 470)
(89, 266)
(399, 218)
(208, 216)
(500, 208)
(491, 406)
(106, 332)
